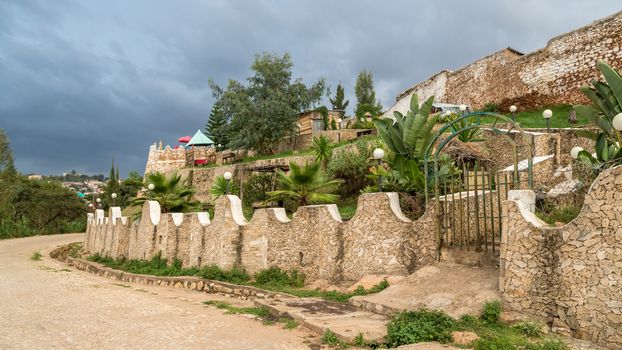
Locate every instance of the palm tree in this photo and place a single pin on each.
(219, 188)
(322, 147)
(305, 185)
(172, 194)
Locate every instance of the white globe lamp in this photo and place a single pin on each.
(617, 122)
(151, 187)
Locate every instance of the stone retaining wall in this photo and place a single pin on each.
(570, 275)
(378, 240)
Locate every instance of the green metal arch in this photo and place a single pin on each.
(477, 125)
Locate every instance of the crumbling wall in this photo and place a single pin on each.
(551, 75)
(569, 275)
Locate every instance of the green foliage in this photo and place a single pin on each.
(7, 167)
(324, 112)
(551, 213)
(216, 127)
(235, 275)
(419, 326)
(491, 107)
(219, 187)
(261, 312)
(362, 123)
(75, 249)
(276, 277)
(471, 135)
(333, 124)
(366, 95)
(491, 312)
(339, 102)
(256, 187)
(529, 329)
(173, 195)
(36, 256)
(359, 340)
(265, 111)
(323, 148)
(305, 185)
(606, 100)
(289, 324)
(329, 337)
(352, 167)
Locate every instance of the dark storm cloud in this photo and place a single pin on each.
(82, 82)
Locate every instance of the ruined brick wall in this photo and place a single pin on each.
(570, 275)
(551, 75)
(165, 160)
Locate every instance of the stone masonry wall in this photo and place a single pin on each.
(570, 275)
(378, 240)
(551, 75)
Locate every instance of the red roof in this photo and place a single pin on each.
(184, 139)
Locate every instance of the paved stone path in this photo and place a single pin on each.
(45, 305)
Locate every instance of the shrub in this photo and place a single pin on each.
(359, 340)
(492, 312)
(419, 326)
(213, 272)
(330, 338)
(491, 107)
(351, 167)
(276, 277)
(529, 329)
(36, 256)
(255, 188)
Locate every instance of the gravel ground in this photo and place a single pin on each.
(45, 305)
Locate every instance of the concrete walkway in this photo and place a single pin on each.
(44, 304)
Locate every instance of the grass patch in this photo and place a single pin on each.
(234, 310)
(330, 338)
(558, 214)
(74, 251)
(289, 324)
(347, 208)
(36, 256)
(426, 325)
(534, 119)
(272, 279)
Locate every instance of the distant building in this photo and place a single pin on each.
(312, 122)
(35, 177)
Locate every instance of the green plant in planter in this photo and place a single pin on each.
(605, 111)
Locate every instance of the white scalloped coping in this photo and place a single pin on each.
(280, 214)
(178, 218)
(203, 218)
(333, 210)
(154, 212)
(90, 217)
(526, 199)
(123, 220)
(394, 204)
(236, 210)
(99, 216)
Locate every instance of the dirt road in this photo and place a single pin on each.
(45, 305)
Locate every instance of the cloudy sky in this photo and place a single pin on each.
(83, 81)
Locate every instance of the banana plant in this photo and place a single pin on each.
(606, 98)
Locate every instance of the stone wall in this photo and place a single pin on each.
(551, 75)
(378, 240)
(572, 275)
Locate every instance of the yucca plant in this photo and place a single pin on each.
(173, 195)
(305, 185)
(322, 147)
(606, 100)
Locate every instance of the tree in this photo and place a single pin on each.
(338, 102)
(216, 127)
(129, 188)
(305, 185)
(266, 110)
(173, 195)
(366, 95)
(7, 166)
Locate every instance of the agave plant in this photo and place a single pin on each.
(170, 192)
(322, 147)
(606, 100)
(305, 184)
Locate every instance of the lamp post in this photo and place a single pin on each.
(513, 111)
(378, 154)
(151, 187)
(547, 114)
(463, 108)
(227, 175)
(99, 202)
(113, 196)
(219, 147)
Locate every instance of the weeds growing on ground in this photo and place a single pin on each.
(36, 256)
(257, 311)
